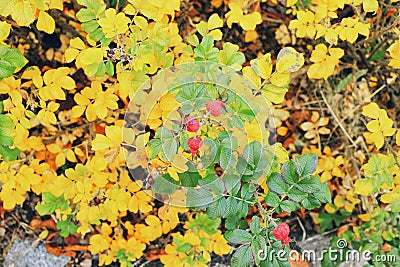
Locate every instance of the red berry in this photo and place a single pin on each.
(215, 107)
(281, 232)
(194, 143)
(192, 124)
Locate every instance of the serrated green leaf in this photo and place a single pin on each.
(227, 159)
(296, 195)
(276, 183)
(232, 183)
(169, 149)
(288, 205)
(165, 184)
(6, 69)
(306, 164)
(309, 184)
(310, 203)
(189, 179)
(214, 183)
(324, 195)
(15, 57)
(238, 236)
(272, 199)
(255, 225)
(85, 15)
(289, 172)
(243, 257)
(155, 146)
(199, 198)
(217, 208)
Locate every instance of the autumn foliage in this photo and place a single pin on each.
(147, 126)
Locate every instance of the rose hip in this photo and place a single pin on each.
(192, 124)
(215, 107)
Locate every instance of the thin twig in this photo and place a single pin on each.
(337, 119)
(302, 228)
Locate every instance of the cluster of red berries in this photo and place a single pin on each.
(193, 124)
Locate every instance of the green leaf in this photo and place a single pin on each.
(276, 183)
(210, 155)
(255, 225)
(101, 69)
(253, 153)
(231, 206)
(227, 159)
(90, 26)
(296, 195)
(6, 69)
(67, 228)
(165, 184)
(395, 206)
(309, 184)
(169, 149)
(15, 57)
(306, 164)
(183, 141)
(91, 69)
(9, 154)
(85, 15)
(324, 195)
(238, 236)
(242, 209)
(289, 172)
(46, 208)
(214, 183)
(310, 203)
(189, 179)
(232, 183)
(217, 209)
(272, 199)
(288, 205)
(109, 68)
(342, 85)
(155, 146)
(97, 34)
(243, 257)
(199, 198)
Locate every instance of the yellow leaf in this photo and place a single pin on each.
(202, 28)
(365, 217)
(45, 22)
(23, 14)
(339, 201)
(250, 21)
(250, 74)
(71, 156)
(370, 5)
(60, 159)
(398, 138)
(250, 36)
(4, 30)
(289, 60)
(214, 22)
(363, 187)
(330, 208)
(371, 110)
(262, 66)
